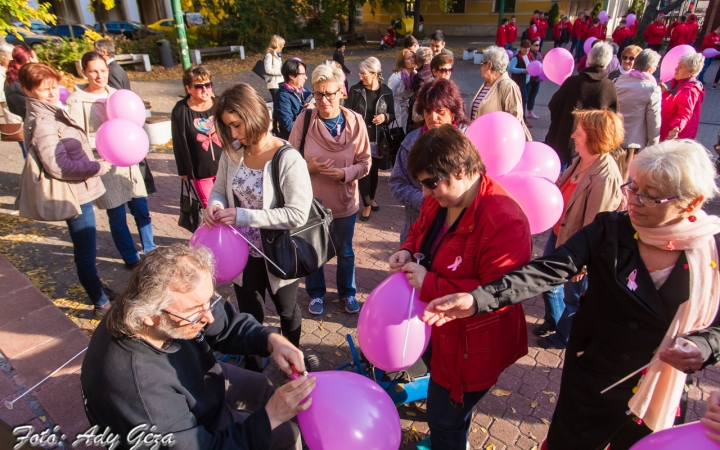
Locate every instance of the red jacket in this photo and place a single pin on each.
(557, 29)
(680, 35)
(578, 29)
(621, 34)
(592, 32)
(534, 33)
(501, 36)
(633, 29)
(672, 27)
(654, 33)
(693, 32)
(543, 26)
(681, 108)
(492, 238)
(712, 40)
(511, 34)
(603, 32)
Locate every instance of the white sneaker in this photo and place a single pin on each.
(532, 116)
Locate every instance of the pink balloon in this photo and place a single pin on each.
(671, 60)
(228, 247)
(558, 64)
(689, 435)
(510, 53)
(383, 323)
(543, 76)
(587, 46)
(539, 160)
(603, 16)
(630, 19)
(710, 53)
(500, 140)
(122, 142)
(125, 104)
(64, 94)
(539, 198)
(349, 412)
(535, 68)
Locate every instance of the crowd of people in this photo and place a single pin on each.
(632, 242)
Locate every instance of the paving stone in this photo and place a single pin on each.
(63, 401)
(32, 330)
(40, 361)
(21, 303)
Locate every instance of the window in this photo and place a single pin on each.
(509, 6)
(459, 6)
(167, 23)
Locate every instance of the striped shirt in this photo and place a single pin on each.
(479, 99)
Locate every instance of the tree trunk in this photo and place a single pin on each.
(416, 15)
(650, 14)
(351, 18)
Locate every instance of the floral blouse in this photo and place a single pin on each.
(247, 186)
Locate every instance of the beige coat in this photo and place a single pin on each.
(504, 95)
(121, 183)
(597, 191)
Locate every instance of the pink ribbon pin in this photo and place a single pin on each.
(631, 280)
(455, 265)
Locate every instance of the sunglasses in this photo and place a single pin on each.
(199, 87)
(430, 183)
(445, 71)
(628, 58)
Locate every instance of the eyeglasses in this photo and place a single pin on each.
(445, 71)
(366, 75)
(199, 87)
(330, 96)
(214, 300)
(644, 200)
(430, 183)
(628, 58)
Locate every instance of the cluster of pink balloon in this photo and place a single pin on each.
(527, 170)
(64, 94)
(389, 340)
(691, 435)
(121, 140)
(587, 46)
(229, 248)
(671, 59)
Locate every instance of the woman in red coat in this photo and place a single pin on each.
(682, 100)
(470, 231)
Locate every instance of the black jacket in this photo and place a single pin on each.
(117, 78)
(615, 330)
(357, 101)
(590, 89)
(16, 98)
(340, 58)
(180, 389)
(194, 163)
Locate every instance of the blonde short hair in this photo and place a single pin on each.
(276, 43)
(328, 72)
(372, 64)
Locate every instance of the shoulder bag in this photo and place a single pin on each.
(390, 139)
(259, 70)
(190, 207)
(302, 250)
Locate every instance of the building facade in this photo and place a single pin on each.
(79, 11)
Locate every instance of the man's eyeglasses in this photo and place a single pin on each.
(644, 200)
(366, 75)
(628, 58)
(430, 183)
(197, 316)
(201, 86)
(330, 96)
(445, 71)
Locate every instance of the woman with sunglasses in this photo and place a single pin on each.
(337, 151)
(196, 143)
(627, 61)
(519, 74)
(654, 277)
(534, 86)
(470, 232)
(373, 100)
(440, 103)
(442, 66)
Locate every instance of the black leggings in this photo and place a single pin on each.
(369, 183)
(251, 300)
(273, 92)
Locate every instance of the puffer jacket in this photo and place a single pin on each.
(63, 148)
(122, 184)
(681, 108)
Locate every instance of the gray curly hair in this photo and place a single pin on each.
(497, 57)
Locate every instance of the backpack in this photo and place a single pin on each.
(524, 35)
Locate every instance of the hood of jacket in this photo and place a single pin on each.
(595, 73)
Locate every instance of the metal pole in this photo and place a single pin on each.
(181, 35)
(502, 11)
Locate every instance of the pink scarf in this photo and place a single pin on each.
(659, 390)
(406, 79)
(642, 76)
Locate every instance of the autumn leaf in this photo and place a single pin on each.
(338, 353)
(512, 409)
(545, 421)
(483, 429)
(534, 403)
(500, 392)
(490, 447)
(552, 399)
(548, 392)
(410, 413)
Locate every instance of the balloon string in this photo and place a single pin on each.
(257, 250)
(407, 329)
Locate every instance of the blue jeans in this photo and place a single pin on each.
(342, 231)
(572, 292)
(121, 233)
(22, 147)
(554, 304)
(706, 66)
(449, 422)
(509, 46)
(533, 89)
(84, 238)
(524, 95)
(574, 45)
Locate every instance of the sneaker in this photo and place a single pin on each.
(100, 311)
(351, 305)
(544, 329)
(714, 86)
(316, 306)
(532, 116)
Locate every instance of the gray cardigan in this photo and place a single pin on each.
(296, 189)
(639, 103)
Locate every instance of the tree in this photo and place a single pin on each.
(652, 9)
(399, 5)
(214, 11)
(22, 11)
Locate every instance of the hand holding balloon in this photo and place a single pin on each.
(209, 215)
(285, 354)
(285, 402)
(454, 306)
(227, 216)
(104, 167)
(415, 274)
(712, 416)
(398, 260)
(685, 358)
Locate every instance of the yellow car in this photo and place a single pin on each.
(168, 26)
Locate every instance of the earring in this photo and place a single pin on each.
(691, 217)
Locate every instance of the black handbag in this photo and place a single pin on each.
(302, 250)
(389, 144)
(147, 176)
(190, 207)
(259, 70)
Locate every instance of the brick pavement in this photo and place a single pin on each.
(43, 252)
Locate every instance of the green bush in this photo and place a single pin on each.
(554, 14)
(63, 54)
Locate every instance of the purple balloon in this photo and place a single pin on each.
(671, 59)
(690, 435)
(539, 160)
(539, 198)
(383, 324)
(543, 76)
(125, 104)
(535, 68)
(710, 53)
(228, 247)
(510, 53)
(122, 142)
(500, 140)
(630, 19)
(558, 64)
(349, 412)
(587, 46)
(603, 16)
(64, 94)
